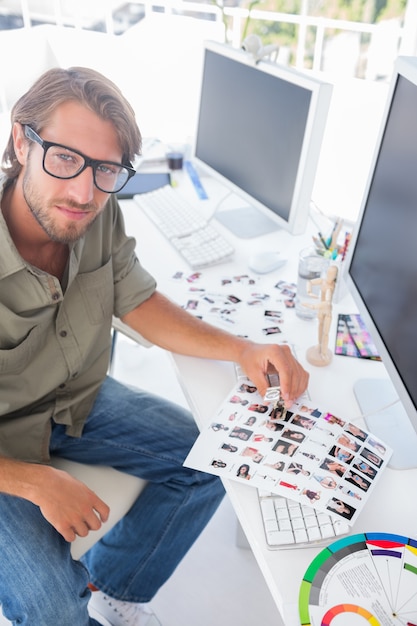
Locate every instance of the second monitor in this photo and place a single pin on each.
(260, 129)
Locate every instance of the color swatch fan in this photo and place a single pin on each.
(364, 579)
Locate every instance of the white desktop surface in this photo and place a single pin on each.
(392, 507)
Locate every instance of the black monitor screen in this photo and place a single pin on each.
(251, 129)
(384, 262)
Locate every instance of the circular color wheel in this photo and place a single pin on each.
(368, 579)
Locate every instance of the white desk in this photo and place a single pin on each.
(393, 505)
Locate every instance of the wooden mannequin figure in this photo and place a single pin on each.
(320, 354)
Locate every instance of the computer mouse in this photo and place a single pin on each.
(264, 262)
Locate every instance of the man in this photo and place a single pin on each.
(66, 266)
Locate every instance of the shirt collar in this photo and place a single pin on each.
(10, 259)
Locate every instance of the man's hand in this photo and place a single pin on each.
(257, 359)
(69, 505)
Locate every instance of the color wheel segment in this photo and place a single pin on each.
(348, 608)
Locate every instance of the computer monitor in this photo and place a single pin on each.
(381, 269)
(259, 130)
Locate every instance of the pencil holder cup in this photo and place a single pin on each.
(311, 266)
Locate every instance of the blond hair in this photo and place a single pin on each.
(83, 85)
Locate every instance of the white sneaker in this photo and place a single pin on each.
(111, 612)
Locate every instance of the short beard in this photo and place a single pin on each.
(73, 232)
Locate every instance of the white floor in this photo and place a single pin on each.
(217, 583)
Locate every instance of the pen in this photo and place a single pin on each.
(322, 240)
(335, 233)
(345, 245)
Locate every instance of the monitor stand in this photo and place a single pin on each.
(391, 424)
(246, 222)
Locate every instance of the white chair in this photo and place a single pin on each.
(118, 490)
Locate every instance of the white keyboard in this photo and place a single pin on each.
(199, 243)
(288, 524)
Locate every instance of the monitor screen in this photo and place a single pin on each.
(260, 128)
(382, 267)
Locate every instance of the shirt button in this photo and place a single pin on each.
(62, 386)
(55, 296)
(63, 333)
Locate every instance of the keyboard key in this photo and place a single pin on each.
(280, 538)
(300, 536)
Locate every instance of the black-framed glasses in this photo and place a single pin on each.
(62, 162)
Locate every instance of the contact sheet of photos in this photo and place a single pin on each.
(305, 453)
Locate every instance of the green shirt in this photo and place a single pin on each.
(55, 343)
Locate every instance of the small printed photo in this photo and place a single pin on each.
(278, 466)
(348, 442)
(283, 284)
(244, 278)
(271, 330)
(346, 456)
(269, 481)
(365, 468)
(289, 303)
(333, 467)
(218, 463)
(338, 506)
(235, 399)
(297, 468)
(332, 419)
(192, 305)
(309, 455)
(291, 486)
(258, 408)
(218, 426)
(193, 277)
(245, 388)
(255, 455)
(303, 422)
(350, 492)
(276, 427)
(261, 437)
(288, 292)
(251, 421)
(313, 496)
(244, 434)
(313, 412)
(228, 447)
(254, 303)
(294, 435)
(372, 457)
(178, 275)
(278, 413)
(285, 447)
(327, 482)
(356, 479)
(377, 445)
(273, 313)
(357, 432)
(260, 296)
(317, 442)
(233, 299)
(243, 472)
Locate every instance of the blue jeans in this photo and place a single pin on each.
(137, 433)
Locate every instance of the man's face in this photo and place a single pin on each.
(64, 209)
